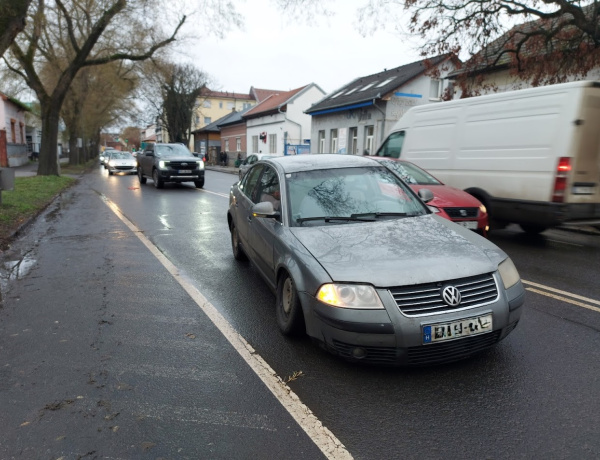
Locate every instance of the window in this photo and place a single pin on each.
(197, 119)
(385, 82)
(22, 133)
(230, 105)
(368, 86)
(268, 188)
(254, 144)
(321, 144)
(369, 135)
(272, 143)
(353, 141)
(250, 180)
(238, 144)
(207, 104)
(207, 120)
(227, 145)
(435, 90)
(247, 105)
(220, 104)
(392, 147)
(334, 141)
(13, 131)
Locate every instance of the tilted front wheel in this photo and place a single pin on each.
(238, 252)
(289, 311)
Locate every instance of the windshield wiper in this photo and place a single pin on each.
(376, 215)
(336, 218)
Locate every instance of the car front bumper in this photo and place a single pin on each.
(176, 176)
(390, 337)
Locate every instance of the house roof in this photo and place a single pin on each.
(232, 119)
(16, 102)
(274, 102)
(206, 92)
(363, 90)
(261, 94)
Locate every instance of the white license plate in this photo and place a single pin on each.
(581, 190)
(470, 224)
(185, 171)
(457, 329)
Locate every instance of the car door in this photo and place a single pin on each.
(264, 231)
(243, 207)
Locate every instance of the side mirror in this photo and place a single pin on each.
(264, 209)
(426, 195)
(148, 153)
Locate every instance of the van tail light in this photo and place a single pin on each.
(560, 179)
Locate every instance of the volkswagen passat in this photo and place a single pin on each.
(360, 263)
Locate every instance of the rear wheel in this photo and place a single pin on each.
(140, 175)
(238, 252)
(533, 229)
(158, 183)
(288, 308)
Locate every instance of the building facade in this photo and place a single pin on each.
(13, 140)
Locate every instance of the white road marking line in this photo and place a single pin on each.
(213, 193)
(312, 426)
(564, 242)
(558, 291)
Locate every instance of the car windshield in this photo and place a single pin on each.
(172, 150)
(120, 156)
(346, 195)
(411, 174)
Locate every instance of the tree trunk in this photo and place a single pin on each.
(73, 152)
(49, 165)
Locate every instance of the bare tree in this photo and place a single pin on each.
(12, 21)
(82, 34)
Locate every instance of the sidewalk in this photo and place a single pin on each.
(30, 168)
(224, 169)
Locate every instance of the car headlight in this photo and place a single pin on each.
(508, 273)
(200, 164)
(434, 209)
(162, 164)
(482, 209)
(360, 296)
(111, 163)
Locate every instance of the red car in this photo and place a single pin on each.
(449, 202)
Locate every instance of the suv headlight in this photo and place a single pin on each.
(200, 164)
(508, 273)
(162, 164)
(360, 296)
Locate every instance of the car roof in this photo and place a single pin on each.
(312, 161)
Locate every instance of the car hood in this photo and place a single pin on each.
(449, 197)
(130, 162)
(399, 252)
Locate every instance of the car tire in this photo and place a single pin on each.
(141, 177)
(199, 183)
(238, 252)
(158, 183)
(110, 173)
(532, 229)
(289, 311)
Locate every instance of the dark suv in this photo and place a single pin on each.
(169, 163)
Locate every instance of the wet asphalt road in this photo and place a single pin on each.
(536, 395)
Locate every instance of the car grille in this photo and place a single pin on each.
(461, 213)
(183, 165)
(124, 168)
(375, 355)
(451, 351)
(423, 299)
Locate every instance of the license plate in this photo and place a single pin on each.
(185, 171)
(457, 329)
(470, 224)
(584, 190)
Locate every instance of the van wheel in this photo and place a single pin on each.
(533, 229)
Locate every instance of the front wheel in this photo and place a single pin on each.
(199, 183)
(532, 229)
(140, 175)
(158, 183)
(288, 308)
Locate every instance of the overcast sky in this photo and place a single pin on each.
(276, 52)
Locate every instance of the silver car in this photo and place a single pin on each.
(359, 263)
(252, 158)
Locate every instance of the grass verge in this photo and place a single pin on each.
(30, 196)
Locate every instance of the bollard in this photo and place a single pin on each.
(7, 180)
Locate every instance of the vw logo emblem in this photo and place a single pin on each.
(451, 296)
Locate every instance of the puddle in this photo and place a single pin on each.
(15, 270)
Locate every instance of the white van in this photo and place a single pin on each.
(531, 156)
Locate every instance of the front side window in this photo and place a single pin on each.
(268, 188)
(392, 147)
(349, 195)
(250, 180)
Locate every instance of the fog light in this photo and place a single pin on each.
(359, 353)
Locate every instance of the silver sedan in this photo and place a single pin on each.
(359, 263)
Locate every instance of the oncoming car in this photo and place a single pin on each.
(452, 203)
(359, 263)
(120, 162)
